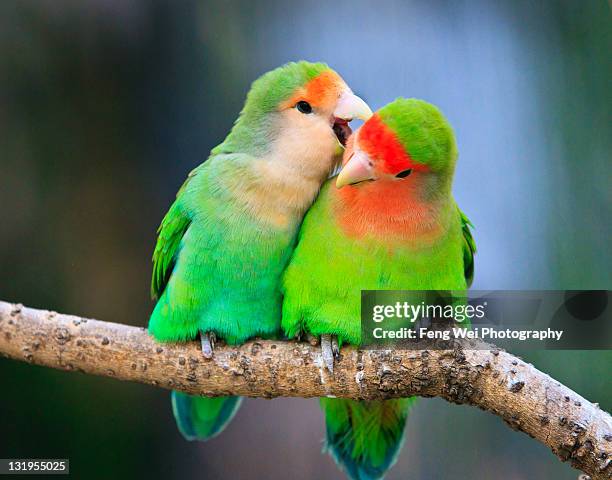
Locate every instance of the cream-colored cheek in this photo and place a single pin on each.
(281, 197)
(307, 144)
(289, 177)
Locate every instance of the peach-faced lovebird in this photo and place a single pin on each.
(227, 238)
(389, 222)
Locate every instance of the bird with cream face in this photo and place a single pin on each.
(227, 238)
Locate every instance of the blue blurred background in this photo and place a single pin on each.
(106, 105)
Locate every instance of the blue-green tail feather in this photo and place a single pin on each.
(359, 468)
(365, 438)
(202, 418)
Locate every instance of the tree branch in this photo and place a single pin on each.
(493, 380)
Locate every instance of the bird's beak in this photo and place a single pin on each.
(357, 169)
(350, 106)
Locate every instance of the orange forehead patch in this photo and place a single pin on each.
(322, 91)
(379, 141)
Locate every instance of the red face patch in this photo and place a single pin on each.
(380, 142)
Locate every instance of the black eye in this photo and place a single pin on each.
(303, 107)
(404, 173)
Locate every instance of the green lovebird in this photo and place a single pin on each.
(224, 243)
(389, 223)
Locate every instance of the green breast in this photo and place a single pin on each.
(328, 270)
(227, 267)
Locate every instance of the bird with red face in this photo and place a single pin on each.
(389, 223)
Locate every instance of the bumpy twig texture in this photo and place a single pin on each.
(493, 380)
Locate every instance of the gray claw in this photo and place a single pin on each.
(312, 340)
(329, 350)
(208, 343)
(334, 346)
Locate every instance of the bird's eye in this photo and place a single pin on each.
(303, 107)
(404, 173)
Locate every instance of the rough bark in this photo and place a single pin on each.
(528, 400)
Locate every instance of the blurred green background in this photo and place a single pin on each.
(106, 105)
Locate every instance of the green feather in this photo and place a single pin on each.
(201, 418)
(469, 248)
(365, 437)
(169, 236)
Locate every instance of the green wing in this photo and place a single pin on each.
(169, 236)
(469, 248)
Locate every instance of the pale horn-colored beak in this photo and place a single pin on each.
(350, 106)
(357, 169)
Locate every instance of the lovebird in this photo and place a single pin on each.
(389, 222)
(224, 243)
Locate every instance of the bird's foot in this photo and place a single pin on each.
(330, 350)
(312, 340)
(208, 340)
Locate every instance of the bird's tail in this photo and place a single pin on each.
(202, 418)
(364, 438)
